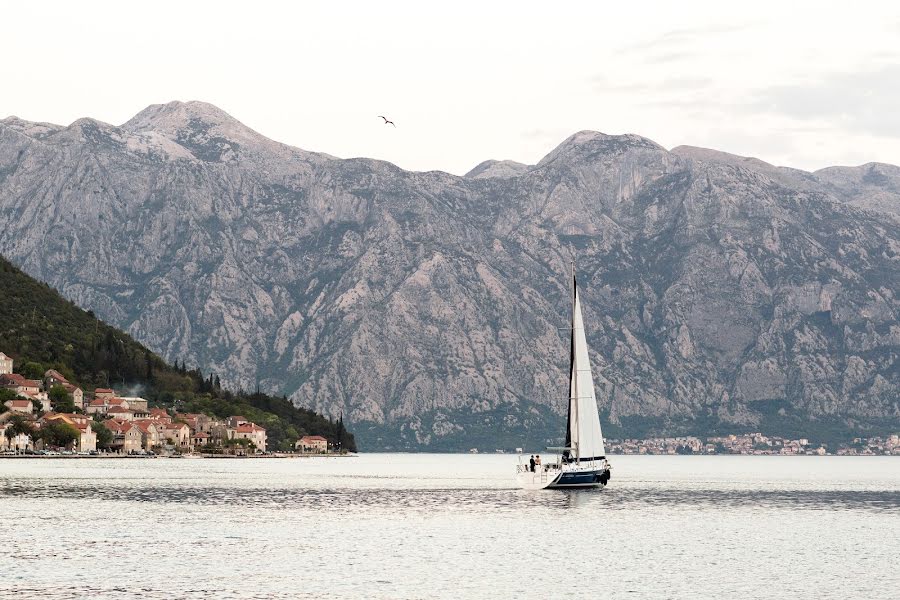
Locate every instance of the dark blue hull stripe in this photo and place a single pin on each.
(582, 478)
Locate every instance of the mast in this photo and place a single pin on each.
(576, 391)
(572, 415)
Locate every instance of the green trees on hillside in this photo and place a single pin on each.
(60, 399)
(5, 395)
(42, 330)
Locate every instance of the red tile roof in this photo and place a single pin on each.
(104, 391)
(144, 425)
(51, 374)
(248, 428)
(19, 403)
(113, 425)
(313, 438)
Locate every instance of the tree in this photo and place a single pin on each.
(5, 395)
(17, 425)
(148, 361)
(104, 435)
(60, 399)
(32, 370)
(58, 433)
(339, 436)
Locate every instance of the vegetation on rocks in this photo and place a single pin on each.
(41, 330)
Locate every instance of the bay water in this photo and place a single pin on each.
(448, 526)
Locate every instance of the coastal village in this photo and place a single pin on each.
(31, 425)
(138, 430)
(754, 444)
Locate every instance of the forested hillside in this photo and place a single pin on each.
(41, 330)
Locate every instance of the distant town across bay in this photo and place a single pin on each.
(755, 444)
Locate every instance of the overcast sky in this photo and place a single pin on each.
(799, 84)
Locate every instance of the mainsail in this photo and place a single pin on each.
(583, 436)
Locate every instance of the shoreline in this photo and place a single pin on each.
(145, 457)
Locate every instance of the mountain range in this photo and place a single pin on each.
(721, 293)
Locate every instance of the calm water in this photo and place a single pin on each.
(448, 526)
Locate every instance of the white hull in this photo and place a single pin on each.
(537, 481)
(570, 477)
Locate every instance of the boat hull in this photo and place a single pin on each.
(580, 478)
(539, 480)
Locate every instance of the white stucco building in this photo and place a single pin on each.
(6, 364)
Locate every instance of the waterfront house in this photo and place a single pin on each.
(314, 444)
(199, 439)
(21, 441)
(87, 437)
(127, 437)
(198, 422)
(179, 434)
(252, 432)
(150, 433)
(132, 437)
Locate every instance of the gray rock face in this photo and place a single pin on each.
(720, 292)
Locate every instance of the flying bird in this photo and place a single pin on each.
(386, 120)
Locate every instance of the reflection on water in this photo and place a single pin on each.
(413, 526)
(476, 500)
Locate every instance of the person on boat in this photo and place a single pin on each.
(537, 461)
(531, 463)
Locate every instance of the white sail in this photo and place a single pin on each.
(584, 436)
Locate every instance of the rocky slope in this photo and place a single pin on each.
(721, 292)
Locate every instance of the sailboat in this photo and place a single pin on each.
(581, 462)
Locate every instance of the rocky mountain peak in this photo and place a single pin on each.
(591, 145)
(29, 128)
(176, 116)
(502, 169)
(709, 155)
(208, 132)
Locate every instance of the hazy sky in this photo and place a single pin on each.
(793, 83)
